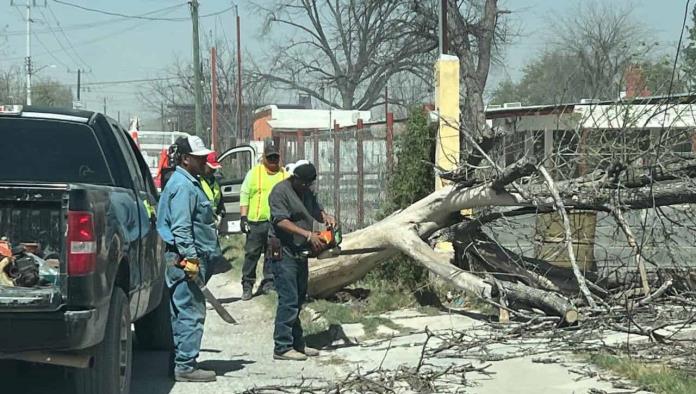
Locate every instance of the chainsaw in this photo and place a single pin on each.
(332, 237)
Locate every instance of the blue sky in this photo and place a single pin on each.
(117, 49)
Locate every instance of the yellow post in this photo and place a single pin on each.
(447, 107)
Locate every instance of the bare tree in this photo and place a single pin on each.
(45, 91)
(477, 30)
(343, 53)
(604, 39)
(176, 93)
(51, 93)
(12, 86)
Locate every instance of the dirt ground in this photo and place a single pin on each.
(242, 357)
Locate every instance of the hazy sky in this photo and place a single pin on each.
(118, 49)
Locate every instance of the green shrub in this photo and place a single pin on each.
(411, 179)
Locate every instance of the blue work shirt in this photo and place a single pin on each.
(185, 217)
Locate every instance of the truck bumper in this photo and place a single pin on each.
(51, 331)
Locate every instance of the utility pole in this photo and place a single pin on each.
(104, 105)
(162, 116)
(240, 136)
(27, 61)
(198, 89)
(28, 58)
(444, 42)
(213, 98)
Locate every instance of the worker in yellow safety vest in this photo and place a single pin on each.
(256, 214)
(211, 186)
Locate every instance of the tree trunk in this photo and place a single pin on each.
(404, 231)
(424, 217)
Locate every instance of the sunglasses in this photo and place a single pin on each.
(273, 158)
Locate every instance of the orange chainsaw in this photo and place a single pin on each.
(332, 237)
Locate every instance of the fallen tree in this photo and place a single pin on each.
(407, 231)
(504, 277)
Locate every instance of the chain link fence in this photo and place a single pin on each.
(352, 164)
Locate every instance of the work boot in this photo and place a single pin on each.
(267, 288)
(309, 352)
(290, 355)
(246, 293)
(195, 375)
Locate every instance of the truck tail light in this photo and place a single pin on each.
(81, 243)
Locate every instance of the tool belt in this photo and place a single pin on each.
(274, 251)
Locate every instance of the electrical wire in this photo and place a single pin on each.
(67, 39)
(130, 28)
(44, 46)
(143, 17)
(130, 81)
(90, 25)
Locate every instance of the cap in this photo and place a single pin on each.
(192, 145)
(304, 171)
(213, 162)
(269, 148)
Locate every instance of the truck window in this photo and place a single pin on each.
(38, 150)
(138, 161)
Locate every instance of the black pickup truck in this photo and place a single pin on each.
(74, 185)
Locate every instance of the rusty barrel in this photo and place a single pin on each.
(550, 239)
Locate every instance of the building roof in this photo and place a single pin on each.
(292, 118)
(674, 111)
(493, 112)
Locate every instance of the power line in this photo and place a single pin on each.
(128, 81)
(130, 28)
(84, 63)
(50, 53)
(75, 27)
(82, 26)
(143, 17)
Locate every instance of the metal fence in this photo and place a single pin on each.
(352, 164)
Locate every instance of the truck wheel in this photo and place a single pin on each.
(111, 373)
(154, 330)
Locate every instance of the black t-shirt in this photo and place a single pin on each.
(304, 211)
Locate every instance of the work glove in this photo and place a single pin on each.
(191, 267)
(316, 243)
(244, 225)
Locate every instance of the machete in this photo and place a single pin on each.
(214, 301)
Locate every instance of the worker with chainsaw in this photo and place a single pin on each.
(297, 220)
(186, 223)
(256, 214)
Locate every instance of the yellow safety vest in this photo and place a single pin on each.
(214, 194)
(260, 186)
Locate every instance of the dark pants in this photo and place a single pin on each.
(187, 313)
(291, 276)
(256, 242)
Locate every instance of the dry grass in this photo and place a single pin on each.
(653, 377)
